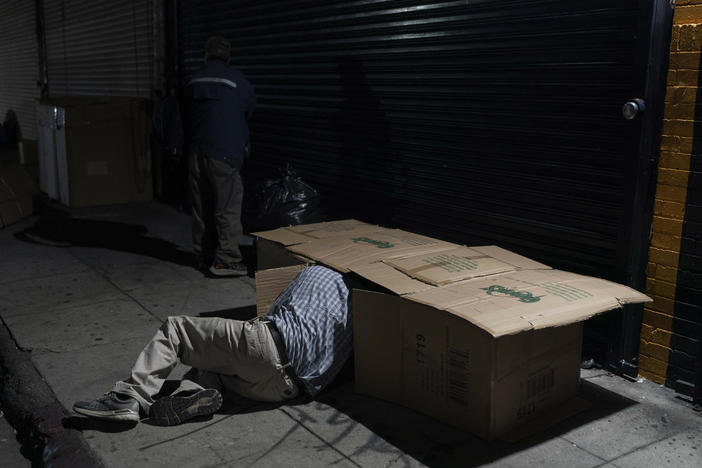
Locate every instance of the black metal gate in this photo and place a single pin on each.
(473, 121)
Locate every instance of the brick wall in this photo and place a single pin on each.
(670, 331)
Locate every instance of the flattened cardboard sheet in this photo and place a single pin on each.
(390, 278)
(504, 255)
(521, 300)
(449, 266)
(283, 236)
(347, 252)
(328, 229)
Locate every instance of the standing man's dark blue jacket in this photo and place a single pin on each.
(218, 129)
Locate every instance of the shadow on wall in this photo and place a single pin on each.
(10, 130)
(363, 133)
(57, 228)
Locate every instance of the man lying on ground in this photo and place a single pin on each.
(300, 345)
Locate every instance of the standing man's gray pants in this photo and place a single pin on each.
(216, 194)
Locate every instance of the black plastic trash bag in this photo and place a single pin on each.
(284, 201)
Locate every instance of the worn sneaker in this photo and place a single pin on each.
(229, 269)
(111, 406)
(175, 409)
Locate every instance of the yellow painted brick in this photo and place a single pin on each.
(667, 225)
(679, 111)
(660, 337)
(654, 335)
(653, 350)
(651, 364)
(670, 143)
(687, 14)
(682, 128)
(689, 38)
(675, 39)
(671, 193)
(661, 305)
(646, 331)
(663, 257)
(651, 270)
(686, 144)
(685, 60)
(675, 177)
(661, 288)
(657, 320)
(665, 273)
(681, 94)
(686, 77)
(669, 209)
(665, 241)
(672, 160)
(672, 79)
(648, 374)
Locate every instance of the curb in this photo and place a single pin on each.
(31, 407)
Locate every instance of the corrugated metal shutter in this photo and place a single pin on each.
(19, 64)
(474, 121)
(101, 47)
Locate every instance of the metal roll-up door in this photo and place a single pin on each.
(478, 122)
(19, 65)
(101, 47)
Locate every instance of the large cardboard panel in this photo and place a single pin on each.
(378, 332)
(447, 366)
(390, 278)
(284, 236)
(328, 229)
(534, 371)
(346, 252)
(521, 300)
(449, 266)
(432, 362)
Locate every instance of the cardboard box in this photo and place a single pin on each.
(17, 191)
(478, 337)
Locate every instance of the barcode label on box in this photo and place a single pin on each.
(459, 361)
(540, 383)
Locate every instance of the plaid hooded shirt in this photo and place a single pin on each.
(315, 322)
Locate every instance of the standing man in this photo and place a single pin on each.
(219, 102)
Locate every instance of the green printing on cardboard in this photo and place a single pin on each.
(377, 243)
(523, 296)
(564, 291)
(452, 263)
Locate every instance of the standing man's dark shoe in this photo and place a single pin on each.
(229, 269)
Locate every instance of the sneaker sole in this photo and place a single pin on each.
(227, 273)
(124, 415)
(172, 410)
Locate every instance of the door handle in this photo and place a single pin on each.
(631, 109)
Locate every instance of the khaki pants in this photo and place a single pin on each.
(228, 354)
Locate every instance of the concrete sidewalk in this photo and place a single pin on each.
(81, 296)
